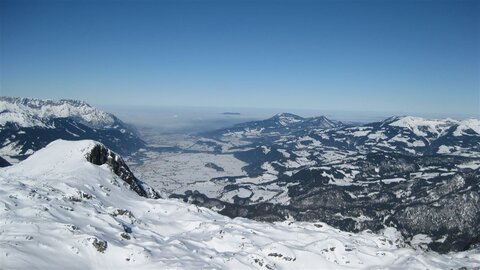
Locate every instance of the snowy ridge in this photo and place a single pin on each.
(27, 125)
(468, 124)
(60, 211)
(29, 112)
(424, 127)
(286, 119)
(282, 123)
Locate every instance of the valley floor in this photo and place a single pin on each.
(60, 211)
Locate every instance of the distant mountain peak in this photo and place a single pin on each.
(422, 126)
(286, 119)
(28, 124)
(287, 116)
(28, 112)
(466, 125)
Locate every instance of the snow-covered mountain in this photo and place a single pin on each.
(407, 134)
(61, 209)
(420, 175)
(27, 125)
(279, 124)
(411, 135)
(29, 112)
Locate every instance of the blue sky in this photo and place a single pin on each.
(381, 56)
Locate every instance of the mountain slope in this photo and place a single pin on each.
(27, 125)
(419, 175)
(28, 112)
(279, 124)
(61, 211)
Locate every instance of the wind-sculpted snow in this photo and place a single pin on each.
(60, 211)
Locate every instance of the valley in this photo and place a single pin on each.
(411, 180)
(354, 177)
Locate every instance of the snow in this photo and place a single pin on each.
(468, 124)
(286, 119)
(420, 239)
(173, 172)
(419, 125)
(36, 112)
(470, 165)
(241, 193)
(8, 148)
(361, 132)
(377, 136)
(443, 149)
(284, 153)
(22, 119)
(55, 205)
(393, 180)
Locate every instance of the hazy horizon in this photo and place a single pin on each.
(182, 119)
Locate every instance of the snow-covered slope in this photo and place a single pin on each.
(467, 127)
(58, 210)
(423, 127)
(27, 125)
(28, 112)
(279, 124)
(418, 175)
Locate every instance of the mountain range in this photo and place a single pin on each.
(27, 125)
(419, 176)
(70, 206)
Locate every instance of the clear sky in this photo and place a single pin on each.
(398, 56)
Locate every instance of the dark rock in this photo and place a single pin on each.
(214, 166)
(100, 155)
(100, 245)
(4, 163)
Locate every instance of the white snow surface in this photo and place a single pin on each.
(286, 119)
(29, 112)
(468, 124)
(419, 125)
(55, 205)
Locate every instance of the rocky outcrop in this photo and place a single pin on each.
(4, 163)
(100, 155)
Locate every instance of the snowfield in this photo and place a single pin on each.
(177, 172)
(421, 126)
(29, 112)
(58, 211)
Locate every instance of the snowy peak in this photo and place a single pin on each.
(468, 127)
(323, 122)
(66, 211)
(60, 156)
(286, 119)
(100, 155)
(289, 119)
(27, 125)
(422, 127)
(29, 112)
(279, 124)
(79, 158)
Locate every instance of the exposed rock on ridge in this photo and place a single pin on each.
(100, 155)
